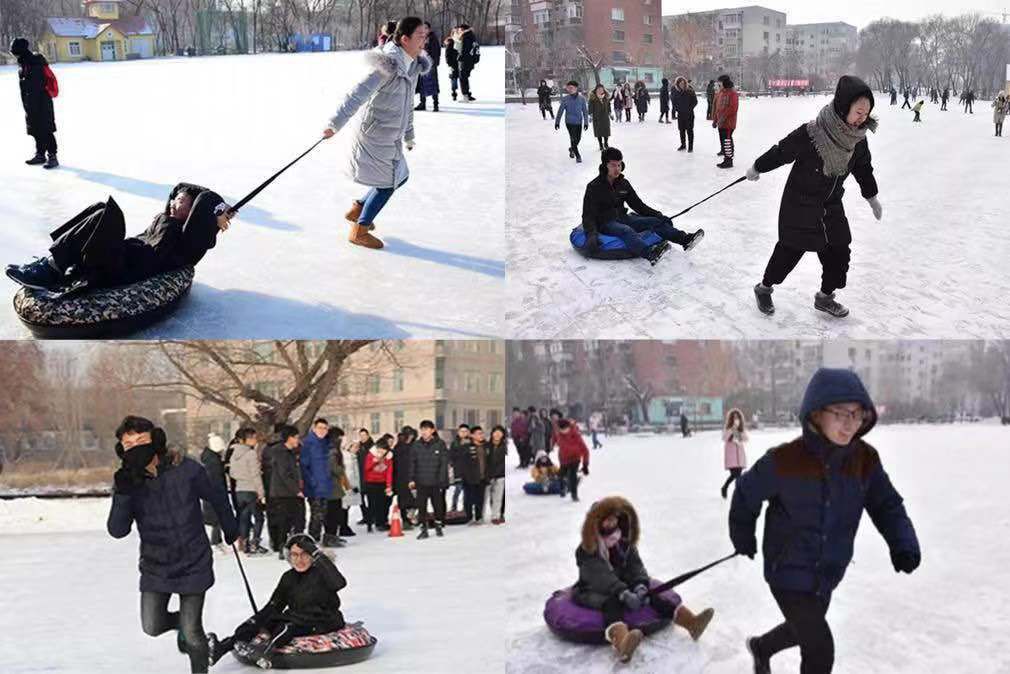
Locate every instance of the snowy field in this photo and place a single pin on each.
(933, 267)
(949, 616)
(134, 129)
(71, 604)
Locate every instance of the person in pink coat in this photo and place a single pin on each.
(734, 438)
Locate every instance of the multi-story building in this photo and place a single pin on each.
(448, 381)
(821, 46)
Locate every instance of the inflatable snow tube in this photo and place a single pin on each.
(104, 312)
(610, 248)
(333, 649)
(536, 489)
(456, 517)
(573, 622)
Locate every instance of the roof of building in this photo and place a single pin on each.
(88, 28)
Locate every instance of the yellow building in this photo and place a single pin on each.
(100, 35)
(448, 381)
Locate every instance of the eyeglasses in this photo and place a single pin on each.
(845, 415)
(298, 555)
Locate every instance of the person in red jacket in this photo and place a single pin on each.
(379, 482)
(726, 104)
(571, 450)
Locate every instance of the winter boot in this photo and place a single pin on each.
(434, 106)
(578, 159)
(694, 240)
(764, 299)
(360, 237)
(727, 162)
(762, 665)
(681, 148)
(722, 490)
(36, 160)
(329, 541)
(720, 153)
(571, 153)
(256, 549)
(828, 305)
(624, 641)
(424, 533)
(51, 163)
(40, 274)
(694, 624)
(438, 530)
(353, 214)
(653, 255)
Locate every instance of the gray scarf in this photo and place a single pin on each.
(835, 140)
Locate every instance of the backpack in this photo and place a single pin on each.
(51, 85)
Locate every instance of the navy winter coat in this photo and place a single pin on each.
(315, 459)
(175, 555)
(816, 493)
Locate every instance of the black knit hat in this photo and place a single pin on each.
(726, 82)
(848, 90)
(19, 47)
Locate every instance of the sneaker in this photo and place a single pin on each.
(419, 106)
(438, 531)
(695, 239)
(40, 274)
(762, 665)
(764, 299)
(256, 550)
(654, 253)
(681, 148)
(578, 159)
(36, 160)
(571, 153)
(214, 652)
(424, 534)
(828, 305)
(51, 163)
(727, 162)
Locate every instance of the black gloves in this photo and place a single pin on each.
(125, 481)
(585, 470)
(905, 560)
(631, 600)
(748, 549)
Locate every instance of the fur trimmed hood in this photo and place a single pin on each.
(390, 60)
(743, 419)
(627, 520)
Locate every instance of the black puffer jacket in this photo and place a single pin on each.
(605, 203)
(496, 459)
(429, 463)
(175, 555)
(457, 457)
(684, 103)
(39, 116)
(811, 214)
(474, 464)
(308, 599)
(212, 463)
(285, 473)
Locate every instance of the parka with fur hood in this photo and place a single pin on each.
(603, 575)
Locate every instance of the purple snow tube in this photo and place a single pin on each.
(573, 622)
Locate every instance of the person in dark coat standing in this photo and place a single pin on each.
(684, 103)
(599, 112)
(452, 60)
(457, 459)
(642, 99)
(727, 103)
(318, 484)
(305, 602)
(906, 104)
(336, 513)
(469, 54)
(401, 472)
(544, 100)
(894, 96)
(365, 443)
(210, 458)
(91, 250)
(613, 579)
(285, 499)
(664, 101)
(969, 98)
(427, 469)
(710, 99)
(163, 497)
(427, 84)
(497, 451)
(817, 487)
(811, 217)
(685, 426)
(40, 119)
(474, 465)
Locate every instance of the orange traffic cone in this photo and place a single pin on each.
(395, 522)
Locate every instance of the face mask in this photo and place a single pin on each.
(611, 537)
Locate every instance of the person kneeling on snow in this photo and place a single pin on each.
(811, 217)
(92, 251)
(604, 212)
(613, 579)
(817, 487)
(305, 602)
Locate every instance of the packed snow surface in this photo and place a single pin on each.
(134, 129)
(948, 616)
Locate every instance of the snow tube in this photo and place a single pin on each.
(104, 312)
(536, 489)
(610, 248)
(455, 517)
(333, 649)
(573, 622)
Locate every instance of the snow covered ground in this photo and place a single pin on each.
(933, 267)
(134, 129)
(71, 606)
(948, 616)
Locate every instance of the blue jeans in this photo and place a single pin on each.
(248, 512)
(374, 201)
(628, 232)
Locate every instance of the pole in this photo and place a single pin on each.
(688, 576)
(245, 580)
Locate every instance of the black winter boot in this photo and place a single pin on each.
(727, 162)
(424, 533)
(39, 158)
(51, 163)
(761, 663)
(828, 305)
(764, 299)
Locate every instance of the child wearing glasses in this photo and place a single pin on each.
(817, 487)
(305, 602)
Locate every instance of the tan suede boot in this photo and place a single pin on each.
(625, 641)
(694, 624)
(354, 213)
(361, 237)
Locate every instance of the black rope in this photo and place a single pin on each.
(247, 198)
(690, 574)
(738, 180)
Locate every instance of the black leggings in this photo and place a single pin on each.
(336, 517)
(378, 503)
(734, 473)
(156, 619)
(574, 135)
(45, 142)
(834, 266)
(805, 626)
(726, 142)
(686, 133)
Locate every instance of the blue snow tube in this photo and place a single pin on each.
(536, 489)
(610, 248)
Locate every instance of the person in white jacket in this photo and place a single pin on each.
(353, 495)
(734, 438)
(250, 501)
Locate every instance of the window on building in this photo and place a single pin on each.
(74, 48)
(471, 382)
(766, 36)
(398, 420)
(374, 383)
(618, 36)
(574, 11)
(778, 37)
(398, 379)
(472, 417)
(648, 78)
(617, 14)
(541, 17)
(375, 423)
(619, 57)
(494, 382)
(493, 417)
(648, 19)
(440, 373)
(647, 38)
(455, 418)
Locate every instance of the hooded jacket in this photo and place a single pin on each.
(816, 493)
(727, 103)
(734, 444)
(571, 447)
(244, 468)
(603, 572)
(315, 463)
(39, 115)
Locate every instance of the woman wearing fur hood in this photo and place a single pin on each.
(734, 440)
(613, 579)
(387, 95)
